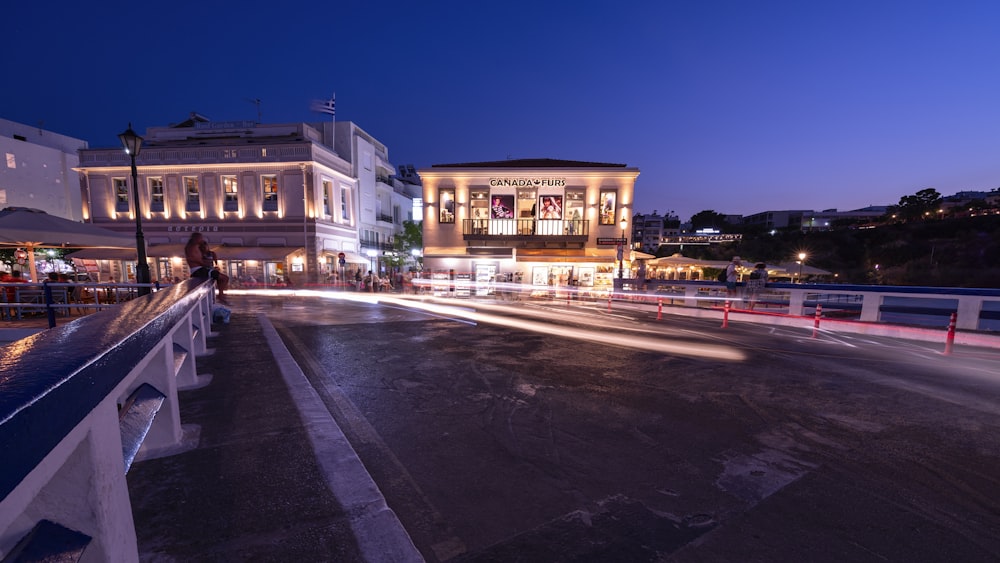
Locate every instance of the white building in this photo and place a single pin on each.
(277, 201)
(547, 223)
(384, 201)
(36, 170)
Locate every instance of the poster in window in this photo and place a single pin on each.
(608, 201)
(586, 277)
(540, 275)
(448, 206)
(502, 207)
(550, 206)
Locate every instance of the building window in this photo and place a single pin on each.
(193, 191)
(230, 194)
(418, 209)
(121, 194)
(344, 201)
(327, 190)
(269, 183)
(446, 198)
(11, 161)
(608, 203)
(574, 211)
(156, 194)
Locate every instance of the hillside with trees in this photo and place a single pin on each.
(935, 251)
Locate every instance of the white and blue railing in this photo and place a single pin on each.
(78, 403)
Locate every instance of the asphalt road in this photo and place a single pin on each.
(540, 432)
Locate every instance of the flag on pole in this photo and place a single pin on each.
(328, 107)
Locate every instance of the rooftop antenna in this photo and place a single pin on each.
(256, 102)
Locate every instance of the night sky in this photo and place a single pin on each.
(735, 106)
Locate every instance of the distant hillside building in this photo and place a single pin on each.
(808, 220)
(37, 170)
(649, 231)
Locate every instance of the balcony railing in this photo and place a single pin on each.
(376, 244)
(475, 228)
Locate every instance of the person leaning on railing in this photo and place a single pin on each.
(201, 261)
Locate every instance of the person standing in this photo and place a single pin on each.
(732, 275)
(756, 283)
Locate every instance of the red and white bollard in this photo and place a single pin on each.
(609, 301)
(951, 334)
(659, 310)
(725, 315)
(819, 313)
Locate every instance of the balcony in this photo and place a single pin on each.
(567, 232)
(378, 245)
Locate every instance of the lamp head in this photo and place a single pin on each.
(131, 141)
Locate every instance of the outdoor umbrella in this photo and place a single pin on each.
(636, 255)
(30, 228)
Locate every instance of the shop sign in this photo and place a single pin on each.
(192, 228)
(527, 182)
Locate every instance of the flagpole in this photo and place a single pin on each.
(333, 122)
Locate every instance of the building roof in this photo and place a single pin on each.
(531, 163)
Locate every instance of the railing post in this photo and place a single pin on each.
(819, 313)
(50, 312)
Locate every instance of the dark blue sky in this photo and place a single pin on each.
(736, 106)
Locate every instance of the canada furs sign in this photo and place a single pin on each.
(527, 182)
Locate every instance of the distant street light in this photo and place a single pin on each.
(416, 257)
(132, 142)
(802, 259)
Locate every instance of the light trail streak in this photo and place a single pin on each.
(598, 336)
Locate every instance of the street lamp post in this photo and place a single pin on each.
(621, 250)
(371, 259)
(132, 142)
(802, 259)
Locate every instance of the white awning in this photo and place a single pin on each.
(350, 257)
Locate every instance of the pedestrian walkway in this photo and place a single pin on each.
(272, 477)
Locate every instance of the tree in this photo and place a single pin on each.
(708, 218)
(412, 238)
(917, 206)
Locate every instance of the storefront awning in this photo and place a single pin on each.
(576, 259)
(350, 257)
(152, 251)
(263, 253)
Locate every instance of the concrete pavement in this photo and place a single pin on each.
(272, 478)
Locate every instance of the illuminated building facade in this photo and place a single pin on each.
(541, 222)
(277, 202)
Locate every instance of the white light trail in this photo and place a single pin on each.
(470, 312)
